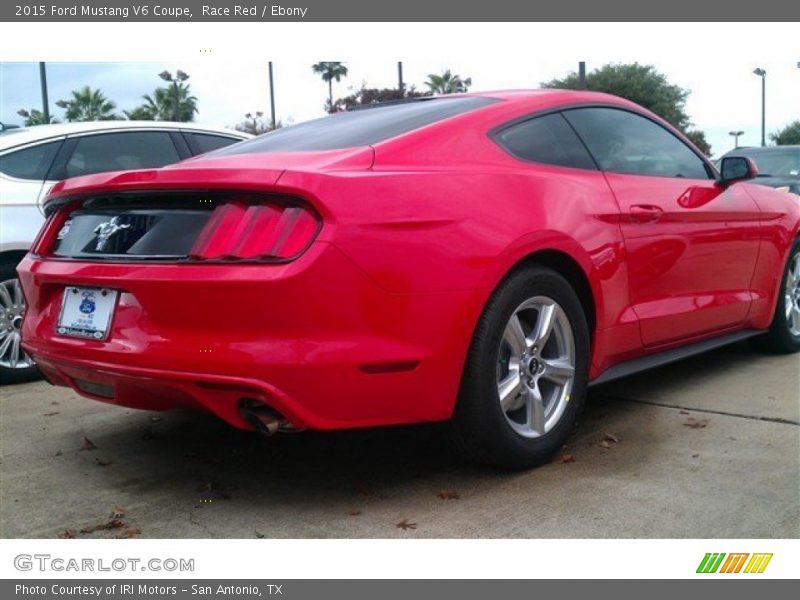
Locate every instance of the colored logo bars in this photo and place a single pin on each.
(718, 563)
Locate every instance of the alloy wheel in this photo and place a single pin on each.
(12, 310)
(792, 300)
(536, 367)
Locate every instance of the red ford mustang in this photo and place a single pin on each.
(475, 258)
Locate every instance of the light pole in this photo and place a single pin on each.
(271, 98)
(763, 74)
(43, 82)
(736, 135)
(400, 85)
(180, 76)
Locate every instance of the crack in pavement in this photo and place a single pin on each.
(703, 410)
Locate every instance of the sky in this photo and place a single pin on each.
(725, 95)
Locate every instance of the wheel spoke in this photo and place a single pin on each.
(5, 345)
(509, 389)
(789, 306)
(514, 335)
(19, 299)
(560, 371)
(795, 274)
(15, 355)
(535, 405)
(544, 325)
(5, 297)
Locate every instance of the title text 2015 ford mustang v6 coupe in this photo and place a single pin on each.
(474, 258)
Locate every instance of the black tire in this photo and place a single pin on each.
(480, 429)
(779, 339)
(8, 375)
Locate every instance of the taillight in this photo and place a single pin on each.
(269, 231)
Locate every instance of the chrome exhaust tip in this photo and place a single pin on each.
(264, 419)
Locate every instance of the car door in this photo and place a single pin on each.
(119, 151)
(692, 245)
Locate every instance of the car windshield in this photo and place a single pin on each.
(778, 164)
(358, 127)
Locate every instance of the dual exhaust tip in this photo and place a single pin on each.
(265, 420)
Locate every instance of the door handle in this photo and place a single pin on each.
(645, 213)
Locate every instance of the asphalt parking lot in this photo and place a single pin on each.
(708, 447)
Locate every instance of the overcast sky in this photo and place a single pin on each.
(724, 96)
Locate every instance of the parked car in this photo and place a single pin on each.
(778, 166)
(33, 159)
(478, 258)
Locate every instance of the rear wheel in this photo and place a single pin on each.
(783, 335)
(15, 365)
(525, 378)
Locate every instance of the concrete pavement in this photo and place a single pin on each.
(708, 447)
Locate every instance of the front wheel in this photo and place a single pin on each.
(526, 374)
(15, 365)
(783, 335)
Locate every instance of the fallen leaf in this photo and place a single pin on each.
(355, 513)
(88, 444)
(567, 458)
(684, 412)
(67, 534)
(693, 423)
(605, 444)
(405, 524)
(55, 403)
(259, 535)
(51, 414)
(448, 495)
(695, 455)
(58, 453)
(117, 512)
(610, 437)
(112, 524)
(103, 463)
(128, 533)
(156, 419)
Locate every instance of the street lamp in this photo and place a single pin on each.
(763, 74)
(735, 135)
(180, 76)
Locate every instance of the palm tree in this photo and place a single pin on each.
(447, 83)
(87, 104)
(172, 103)
(330, 71)
(34, 117)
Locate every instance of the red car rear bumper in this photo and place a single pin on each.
(315, 339)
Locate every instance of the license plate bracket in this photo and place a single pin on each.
(87, 312)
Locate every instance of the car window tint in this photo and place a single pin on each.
(624, 142)
(207, 142)
(358, 127)
(32, 162)
(548, 139)
(121, 151)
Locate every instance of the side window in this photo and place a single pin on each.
(624, 142)
(548, 139)
(206, 142)
(30, 163)
(121, 151)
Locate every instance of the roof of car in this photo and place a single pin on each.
(27, 135)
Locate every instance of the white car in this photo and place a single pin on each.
(33, 159)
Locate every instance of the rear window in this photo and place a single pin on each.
(359, 127)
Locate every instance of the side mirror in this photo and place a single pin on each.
(736, 168)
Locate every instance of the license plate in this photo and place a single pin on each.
(86, 312)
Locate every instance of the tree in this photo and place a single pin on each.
(788, 135)
(447, 83)
(87, 104)
(330, 71)
(171, 103)
(34, 117)
(256, 124)
(642, 84)
(698, 138)
(367, 96)
(645, 86)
